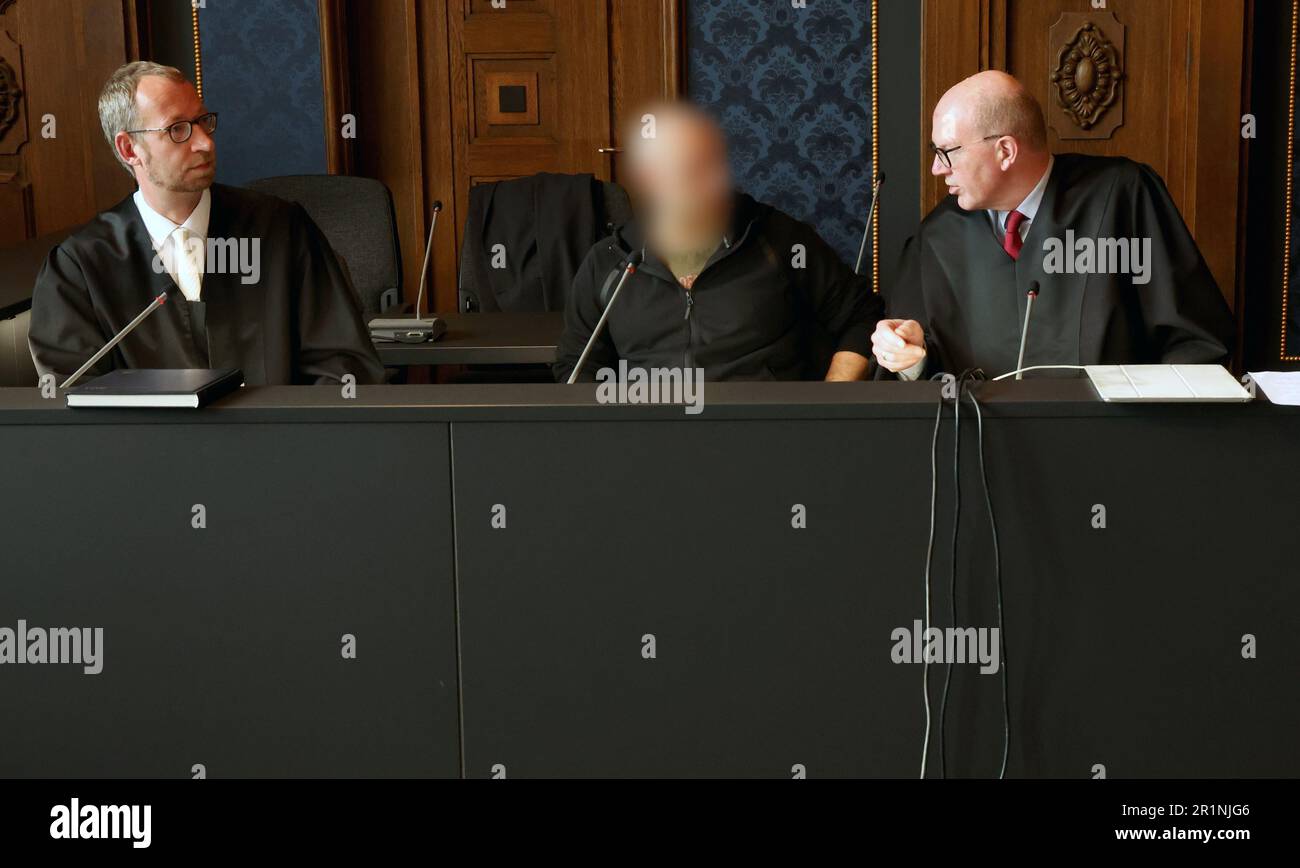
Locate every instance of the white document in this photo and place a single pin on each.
(1281, 387)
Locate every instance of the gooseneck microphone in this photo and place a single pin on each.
(428, 251)
(130, 327)
(1024, 330)
(416, 329)
(871, 215)
(633, 262)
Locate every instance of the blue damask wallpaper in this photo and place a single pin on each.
(792, 88)
(262, 74)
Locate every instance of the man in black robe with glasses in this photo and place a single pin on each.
(254, 284)
(1120, 277)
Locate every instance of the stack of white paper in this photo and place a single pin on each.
(1281, 387)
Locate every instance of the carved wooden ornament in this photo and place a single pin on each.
(1086, 59)
(13, 123)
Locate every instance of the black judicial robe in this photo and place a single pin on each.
(299, 323)
(970, 295)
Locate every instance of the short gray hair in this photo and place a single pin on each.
(1017, 115)
(117, 107)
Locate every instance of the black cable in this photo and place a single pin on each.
(963, 380)
(963, 384)
(997, 572)
(929, 556)
(952, 582)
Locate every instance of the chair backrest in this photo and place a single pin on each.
(20, 265)
(612, 207)
(16, 366)
(618, 205)
(356, 215)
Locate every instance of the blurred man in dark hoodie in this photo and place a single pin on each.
(728, 284)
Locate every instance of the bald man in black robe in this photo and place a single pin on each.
(261, 289)
(1120, 277)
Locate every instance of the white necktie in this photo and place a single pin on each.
(189, 263)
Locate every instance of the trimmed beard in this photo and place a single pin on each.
(168, 184)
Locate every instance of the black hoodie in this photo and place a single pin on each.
(771, 304)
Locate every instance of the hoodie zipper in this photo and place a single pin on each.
(690, 294)
(690, 299)
(690, 330)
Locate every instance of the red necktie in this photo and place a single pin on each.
(1011, 242)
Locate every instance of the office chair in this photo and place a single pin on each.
(357, 217)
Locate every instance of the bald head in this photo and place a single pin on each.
(993, 103)
(676, 157)
(998, 138)
(664, 132)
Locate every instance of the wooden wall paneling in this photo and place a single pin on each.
(438, 149)
(646, 44)
(1170, 149)
(384, 61)
(411, 133)
(337, 84)
(135, 24)
(68, 49)
(1216, 169)
(1243, 187)
(457, 129)
(959, 38)
(1152, 99)
(100, 47)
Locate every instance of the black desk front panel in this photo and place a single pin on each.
(223, 646)
(772, 645)
(1126, 643)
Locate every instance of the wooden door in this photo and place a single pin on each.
(529, 89)
(450, 93)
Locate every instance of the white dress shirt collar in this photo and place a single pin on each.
(160, 228)
(1029, 207)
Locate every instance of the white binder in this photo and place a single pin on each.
(1165, 383)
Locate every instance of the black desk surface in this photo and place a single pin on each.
(484, 339)
(1054, 397)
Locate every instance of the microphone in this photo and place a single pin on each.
(875, 195)
(633, 261)
(428, 253)
(415, 330)
(130, 327)
(1024, 331)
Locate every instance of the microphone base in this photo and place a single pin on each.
(406, 330)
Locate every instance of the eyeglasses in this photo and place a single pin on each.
(943, 153)
(181, 131)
